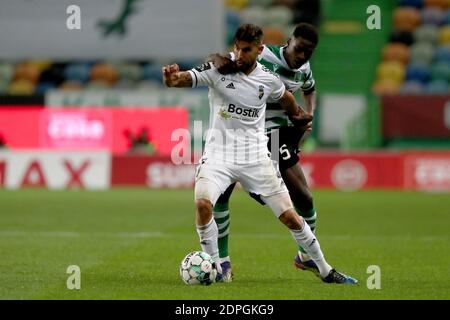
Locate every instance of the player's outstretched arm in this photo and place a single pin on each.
(173, 77)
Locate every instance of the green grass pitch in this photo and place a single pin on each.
(129, 244)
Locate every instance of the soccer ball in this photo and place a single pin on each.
(198, 268)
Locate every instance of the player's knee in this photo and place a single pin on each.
(291, 220)
(203, 206)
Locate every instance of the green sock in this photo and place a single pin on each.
(222, 218)
(310, 218)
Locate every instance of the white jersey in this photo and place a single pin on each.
(237, 112)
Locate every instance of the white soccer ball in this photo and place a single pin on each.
(198, 267)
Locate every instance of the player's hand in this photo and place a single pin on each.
(302, 120)
(223, 64)
(170, 74)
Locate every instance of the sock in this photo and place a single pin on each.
(310, 217)
(208, 241)
(310, 244)
(222, 218)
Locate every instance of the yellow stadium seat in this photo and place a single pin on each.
(21, 87)
(391, 70)
(444, 35)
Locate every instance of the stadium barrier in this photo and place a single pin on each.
(426, 171)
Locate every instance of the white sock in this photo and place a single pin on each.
(308, 241)
(227, 258)
(208, 240)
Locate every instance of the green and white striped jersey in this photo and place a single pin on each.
(294, 79)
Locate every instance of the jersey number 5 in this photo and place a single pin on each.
(285, 154)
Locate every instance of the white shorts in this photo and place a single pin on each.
(261, 179)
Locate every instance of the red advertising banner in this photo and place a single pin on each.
(427, 171)
(90, 129)
(416, 116)
(341, 171)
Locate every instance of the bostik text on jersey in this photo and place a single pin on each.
(246, 112)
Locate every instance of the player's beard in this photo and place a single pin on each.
(246, 67)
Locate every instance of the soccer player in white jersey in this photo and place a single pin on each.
(291, 63)
(237, 107)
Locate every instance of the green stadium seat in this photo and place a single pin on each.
(440, 71)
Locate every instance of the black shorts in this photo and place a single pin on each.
(287, 153)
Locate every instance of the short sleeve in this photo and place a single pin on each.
(204, 75)
(278, 89)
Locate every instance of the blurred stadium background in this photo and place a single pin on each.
(86, 109)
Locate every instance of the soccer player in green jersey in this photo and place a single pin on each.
(291, 63)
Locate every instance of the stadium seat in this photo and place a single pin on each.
(261, 3)
(21, 87)
(427, 33)
(437, 87)
(103, 73)
(433, 15)
(442, 54)
(255, 15)
(43, 87)
(6, 72)
(42, 65)
(236, 4)
(129, 71)
(77, 72)
(412, 87)
(440, 71)
(28, 72)
(279, 16)
(442, 4)
(406, 18)
(233, 21)
(386, 87)
(274, 35)
(422, 52)
(418, 73)
(446, 20)
(71, 86)
(391, 70)
(152, 72)
(396, 52)
(444, 35)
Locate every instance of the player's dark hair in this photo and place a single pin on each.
(249, 33)
(306, 31)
